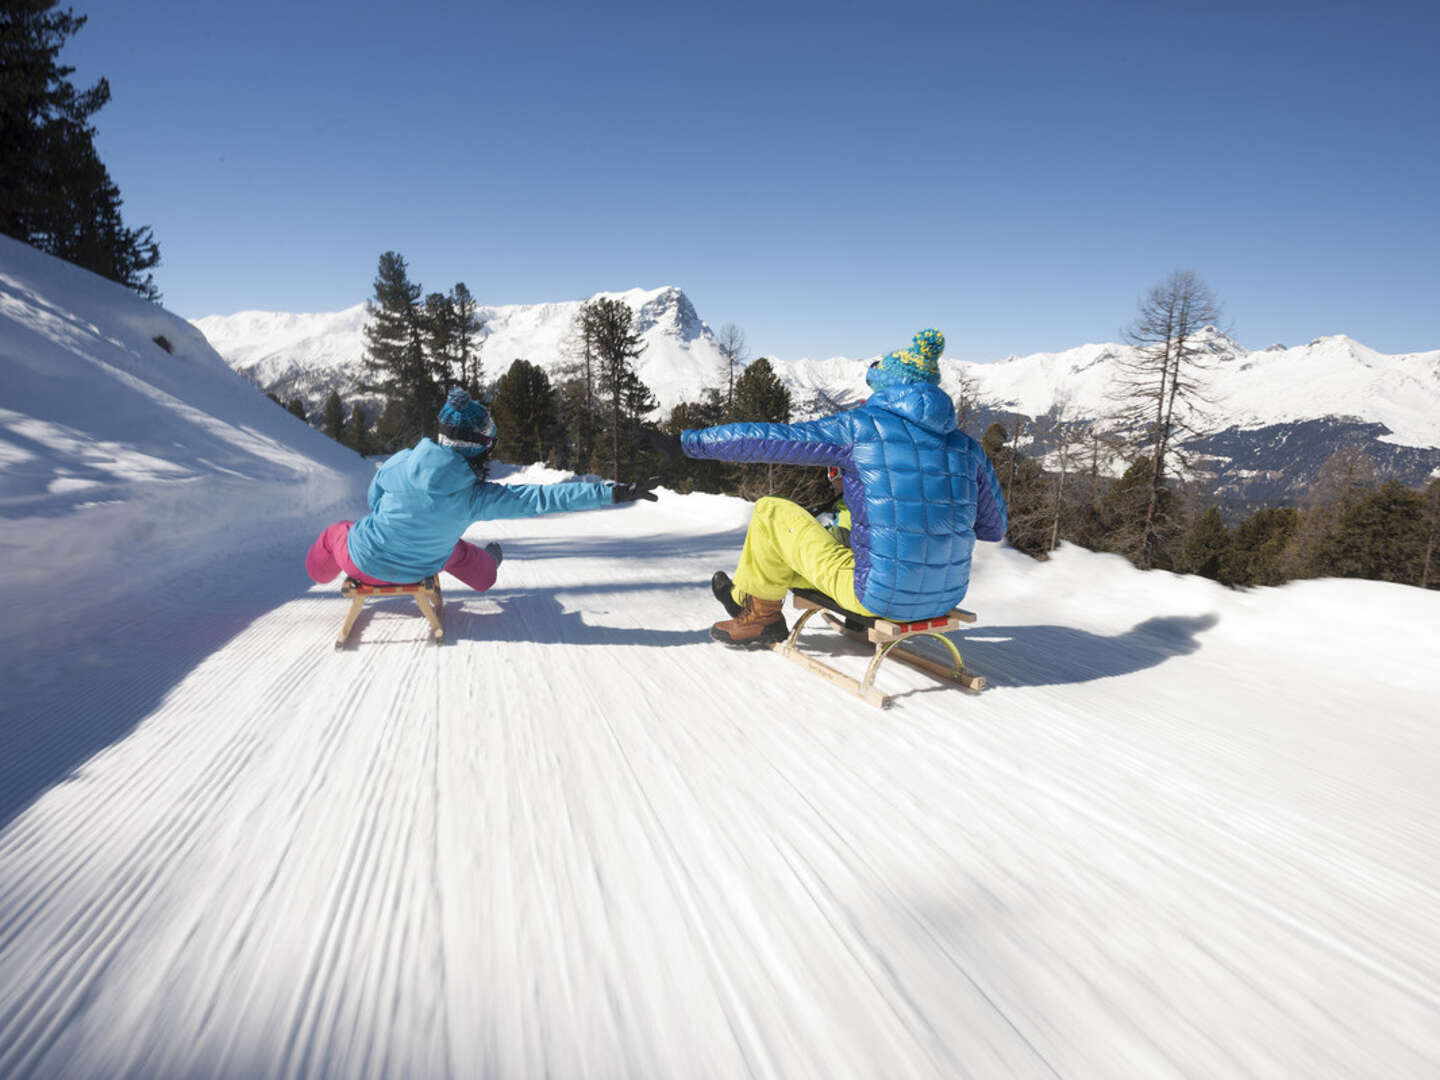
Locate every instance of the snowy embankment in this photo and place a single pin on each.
(1188, 831)
(125, 465)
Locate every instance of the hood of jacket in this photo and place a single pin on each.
(921, 404)
(431, 468)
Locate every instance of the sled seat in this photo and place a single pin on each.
(886, 635)
(427, 599)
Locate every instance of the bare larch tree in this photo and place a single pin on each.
(1160, 388)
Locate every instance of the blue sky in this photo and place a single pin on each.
(830, 177)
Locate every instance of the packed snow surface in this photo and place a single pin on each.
(1188, 831)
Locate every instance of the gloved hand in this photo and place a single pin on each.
(642, 489)
(493, 548)
(657, 442)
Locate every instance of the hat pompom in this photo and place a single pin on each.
(919, 363)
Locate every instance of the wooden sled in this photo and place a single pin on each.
(887, 637)
(427, 598)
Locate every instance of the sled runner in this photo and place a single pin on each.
(887, 637)
(427, 598)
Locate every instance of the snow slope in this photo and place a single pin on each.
(1189, 831)
(123, 463)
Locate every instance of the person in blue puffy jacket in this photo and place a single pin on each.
(423, 499)
(919, 491)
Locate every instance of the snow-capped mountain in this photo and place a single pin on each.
(307, 356)
(1276, 414)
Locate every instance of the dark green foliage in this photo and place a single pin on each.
(357, 431)
(1430, 517)
(1130, 507)
(55, 193)
(525, 414)
(334, 423)
(1381, 536)
(393, 428)
(275, 399)
(1205, 545)
(1258, 546)
(605, 327)
(396, 363)
(296, 407)
(994, 439)
(759, 395)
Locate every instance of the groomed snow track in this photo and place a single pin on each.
(582, 840)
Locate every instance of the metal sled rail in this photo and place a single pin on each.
(887, 637)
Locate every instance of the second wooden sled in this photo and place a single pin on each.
(887, 637)
(427, 599)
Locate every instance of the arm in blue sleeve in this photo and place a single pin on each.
(492, 501)
(814, 442)
(991, 517)
(372, 498)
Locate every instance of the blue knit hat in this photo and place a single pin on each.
(465, 425)
(918, 363)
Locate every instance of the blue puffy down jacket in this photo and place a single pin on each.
(920, 491)
(423, 499)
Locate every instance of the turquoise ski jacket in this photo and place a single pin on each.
(423, 499)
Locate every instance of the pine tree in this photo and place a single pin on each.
(396, 365)
(334, 424)
(55, 193)
(760, 396)
(523, 408)
(1430, 519)
(1345, 478)
(296, 407)
(1381, 537)
(1257, 547)
(357, 431)
(614, 346)
(1129, 507)
(468, 326)
(1205, 545)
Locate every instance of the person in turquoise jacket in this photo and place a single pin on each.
(423, 499)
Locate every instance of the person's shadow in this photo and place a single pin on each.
(1055, 655)
(1049, 655)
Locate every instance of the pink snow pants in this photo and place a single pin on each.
(330, 555)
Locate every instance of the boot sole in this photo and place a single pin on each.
(763, 640)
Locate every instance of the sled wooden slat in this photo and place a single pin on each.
(887, 637)
(427, 599)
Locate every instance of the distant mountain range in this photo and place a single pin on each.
(1276, 413)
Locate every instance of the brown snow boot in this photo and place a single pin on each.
(759, 625)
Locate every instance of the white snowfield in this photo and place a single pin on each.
(1187, 832)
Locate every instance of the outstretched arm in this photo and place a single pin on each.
(814, 442)
(990, 514)
(492, 501)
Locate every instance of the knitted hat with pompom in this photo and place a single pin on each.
(918, 363)
(465, 425)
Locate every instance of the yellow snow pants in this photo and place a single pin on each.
(786, 548)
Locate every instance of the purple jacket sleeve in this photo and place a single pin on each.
(990, 513)
(814, 442)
